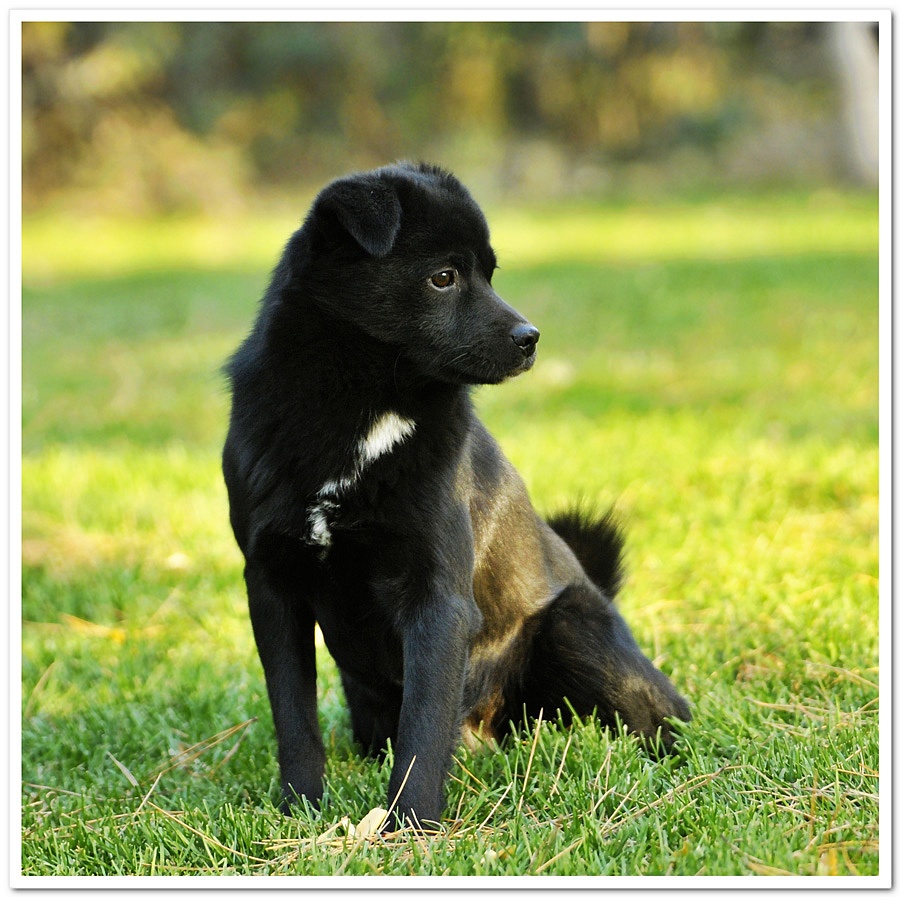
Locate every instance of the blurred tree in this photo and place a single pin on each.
(855, 51)
(166, 115)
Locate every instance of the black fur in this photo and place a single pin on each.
(367, 498)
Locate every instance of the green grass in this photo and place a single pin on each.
(711, 368)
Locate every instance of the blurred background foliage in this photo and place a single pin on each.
(152, 117)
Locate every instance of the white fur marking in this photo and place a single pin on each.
(319, 533)
(335, 487)
(389, 430)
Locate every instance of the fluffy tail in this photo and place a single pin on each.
(597, 543)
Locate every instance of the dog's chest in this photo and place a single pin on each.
(386, 432)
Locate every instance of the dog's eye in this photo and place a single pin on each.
(444, 279)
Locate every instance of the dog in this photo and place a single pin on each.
(368, 498)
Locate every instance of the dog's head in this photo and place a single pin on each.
(403, 253)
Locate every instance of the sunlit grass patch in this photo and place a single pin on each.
(65, 246)
(751, 227)
(164, 507)
(58, 247)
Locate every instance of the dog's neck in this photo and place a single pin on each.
(355, 382)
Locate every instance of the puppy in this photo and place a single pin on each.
(367, 497)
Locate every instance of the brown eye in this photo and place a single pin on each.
(444, 279)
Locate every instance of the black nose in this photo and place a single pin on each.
(525, 336)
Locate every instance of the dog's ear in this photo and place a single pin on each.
(366, 207)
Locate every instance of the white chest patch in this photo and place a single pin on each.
(386, 432)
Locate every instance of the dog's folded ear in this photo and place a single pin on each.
(364, 206)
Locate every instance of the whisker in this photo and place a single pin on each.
(464, 354)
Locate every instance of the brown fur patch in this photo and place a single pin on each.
(478, 728)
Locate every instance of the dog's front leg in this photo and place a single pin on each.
(435, 652)
(284, 629)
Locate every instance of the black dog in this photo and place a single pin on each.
(368, 498)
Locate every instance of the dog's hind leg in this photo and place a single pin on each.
(585, 658)
(374, 713)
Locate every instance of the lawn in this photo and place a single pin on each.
(709, 367)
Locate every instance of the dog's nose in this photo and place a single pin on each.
(525, 336)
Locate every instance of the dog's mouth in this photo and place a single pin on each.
(490, 372)
(526, 365)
